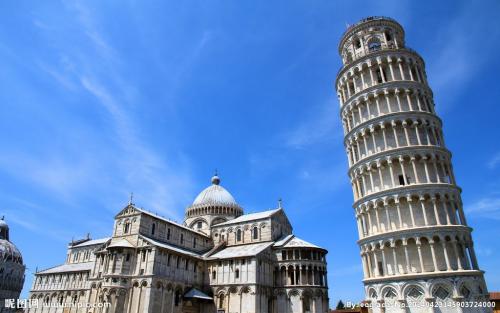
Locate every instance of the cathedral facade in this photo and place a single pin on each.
(220, 260)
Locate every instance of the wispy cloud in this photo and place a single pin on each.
(321, 126)
(486, 207)
(465, 49)
(494, 161)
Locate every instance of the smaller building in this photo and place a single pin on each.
(495, 301)
(11, 268)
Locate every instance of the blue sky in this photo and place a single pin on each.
(101, 98)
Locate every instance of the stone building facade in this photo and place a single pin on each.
(416, 246)
(11, 269)
(219, 260)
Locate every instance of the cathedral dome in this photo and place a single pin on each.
(8, 251)
(214, 195)
(213, 204)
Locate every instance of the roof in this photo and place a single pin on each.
(169, 221)
(91, 242)
(7, 250)
(291, 241)
(68, 267)
(494, 295)
(171, 247)
(122, 243)
(197, 294)
(251, 217)
(215, 195)
(241, 251)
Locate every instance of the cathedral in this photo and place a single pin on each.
(11, 269)
(219, 260)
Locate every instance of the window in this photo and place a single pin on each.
(126, 228)
(177, 298)
(153, 228)
(214, 274)
(221, 301)
(199, 225)
(168, 234)
(401, 180)
(237, 273)
(374, 45)
(357, 43)
(168, 259)
(283, 255)
(128, 257)
(380, 269)
(238, 235)
(178, 262)
(381, 77)
(388, 35)
(195, 266)
(187, 265)
(194, 243)
(242, 261)
(255, 233)
(182, 239)
(143, 256)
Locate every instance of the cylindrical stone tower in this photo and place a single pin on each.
(416, 247)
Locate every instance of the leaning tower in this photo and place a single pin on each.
(416, 246)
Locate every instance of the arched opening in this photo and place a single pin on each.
(255, 233)
(238, 235)
(374, 45)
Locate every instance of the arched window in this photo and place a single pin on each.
(177, 298)
(374, 45)
(221, 301)
(255, 233)
(388, 35)
(237, 273)
(238, 235)
(126, 227)
(153, 228)
(357, 43)
(199, 225)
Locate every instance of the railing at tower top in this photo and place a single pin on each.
(368, 19)
(366, 52)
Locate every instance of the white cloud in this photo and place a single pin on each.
(494, 161)
(464, 48)
(487, 207)
(323, 125)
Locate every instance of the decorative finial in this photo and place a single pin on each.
(279, 203)
(3, 217)
(88, 236)
(215, 178)
(131, 199)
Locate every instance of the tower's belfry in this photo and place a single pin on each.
(414, 239)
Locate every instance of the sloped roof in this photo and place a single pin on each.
(68, 267)
(171, 247)
(197, 294)
(91, 242)
(241, 251)
(169, 221)
(251, 217)
(123, 243)
(292, 241)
